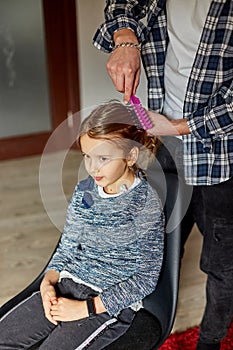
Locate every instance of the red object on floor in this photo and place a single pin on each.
(187, 340)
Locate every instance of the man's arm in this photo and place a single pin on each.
(122, 24)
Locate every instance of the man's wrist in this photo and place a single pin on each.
(127, 44)
(125, 35)
(181, 126)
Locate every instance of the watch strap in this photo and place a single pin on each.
(91, 307)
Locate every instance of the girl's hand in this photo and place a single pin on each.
(65, 310)
(48, 299)
(48, 293)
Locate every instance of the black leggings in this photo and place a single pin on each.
(25, 325)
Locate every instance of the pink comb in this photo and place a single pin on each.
(140, 112)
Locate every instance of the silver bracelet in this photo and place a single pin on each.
(127, 44)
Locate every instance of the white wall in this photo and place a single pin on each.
(95, 84)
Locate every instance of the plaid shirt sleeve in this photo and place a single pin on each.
(120, 14)
(212, 78)
(218, 116)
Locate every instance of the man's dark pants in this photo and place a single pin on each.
(211, 208)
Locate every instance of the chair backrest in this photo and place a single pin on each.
(162, 302)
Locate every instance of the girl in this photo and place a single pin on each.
(110, 254)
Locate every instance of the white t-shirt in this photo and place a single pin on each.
(185, 22)
(107, 195)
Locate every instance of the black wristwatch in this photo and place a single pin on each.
(91, 307)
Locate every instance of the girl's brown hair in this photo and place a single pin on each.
(117, 122)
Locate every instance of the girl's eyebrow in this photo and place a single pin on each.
(98, 155)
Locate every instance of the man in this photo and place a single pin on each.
(187, 52)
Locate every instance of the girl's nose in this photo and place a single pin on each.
(94, 167)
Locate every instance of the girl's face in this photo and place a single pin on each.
(107, 163)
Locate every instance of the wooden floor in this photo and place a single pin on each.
(28, 236)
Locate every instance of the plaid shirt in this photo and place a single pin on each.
(208, 104)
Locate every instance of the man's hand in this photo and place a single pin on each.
(124, 65)
(162, 126)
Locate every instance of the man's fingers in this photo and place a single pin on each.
(123, 68)
(128, 91)
(131, 84)
(136, 81)
(120, 82)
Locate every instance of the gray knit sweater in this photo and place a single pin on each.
(114, 243)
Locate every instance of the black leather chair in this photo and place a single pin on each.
(160, 306)
(153, 324)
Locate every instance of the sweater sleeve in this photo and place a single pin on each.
(67, 247)
(120, 15)
(150, 227)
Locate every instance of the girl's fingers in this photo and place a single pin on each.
(54, 301)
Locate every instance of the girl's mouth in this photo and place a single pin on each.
(98, 178)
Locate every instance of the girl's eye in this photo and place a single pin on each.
(104, 159)
(86, 156)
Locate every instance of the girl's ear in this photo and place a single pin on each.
(133, 156)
